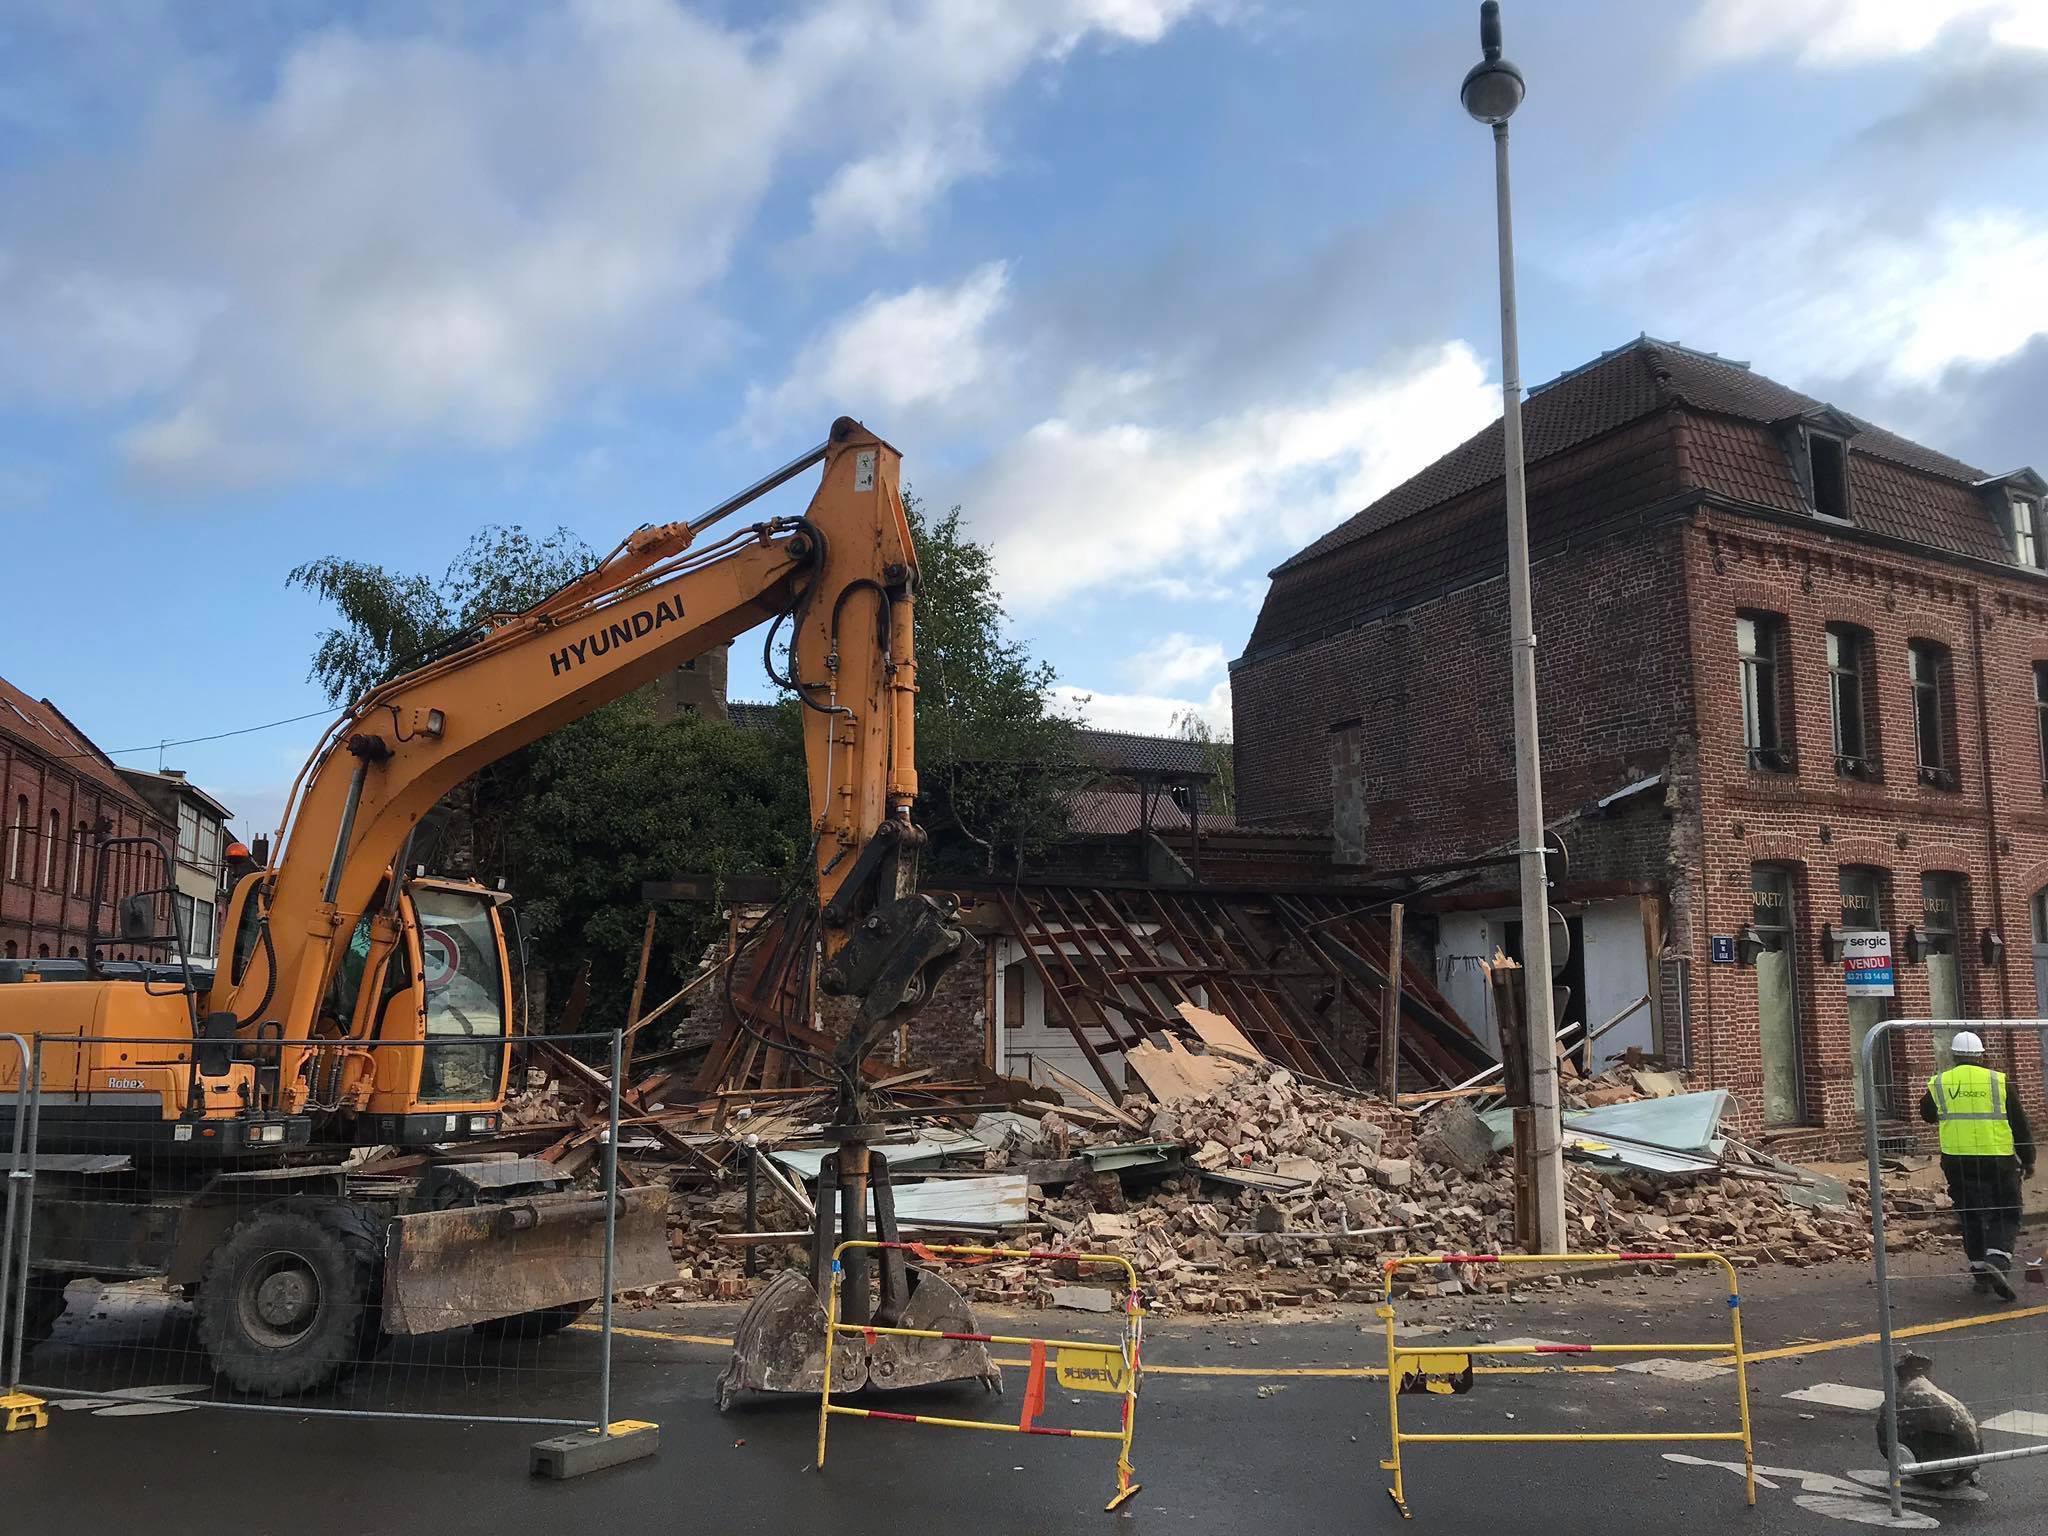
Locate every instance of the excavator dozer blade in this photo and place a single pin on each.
(477, 1264)
(895, 1361)
(780, 1345)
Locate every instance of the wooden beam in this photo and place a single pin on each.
(640, 976)
(1390, 1012)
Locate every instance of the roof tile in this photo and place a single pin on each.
(42, 726)
(1585, 468)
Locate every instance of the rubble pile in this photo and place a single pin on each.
(1242, 1187)
(1369, 1180)
(539, 1101)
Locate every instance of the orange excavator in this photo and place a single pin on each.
(204, 1131)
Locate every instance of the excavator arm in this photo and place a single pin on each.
(844, 573)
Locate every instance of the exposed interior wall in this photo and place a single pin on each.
(1615, 960)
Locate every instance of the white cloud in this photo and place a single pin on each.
(886, 195)
(925, 348)
(1150, 714)
(448, 236)
(1175, 659)
(1836, 33)
(946, 62)
(1073, 505)
(1830, 291)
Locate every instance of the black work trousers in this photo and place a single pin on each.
(1986, 1192)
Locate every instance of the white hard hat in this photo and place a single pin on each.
(1965, 1044)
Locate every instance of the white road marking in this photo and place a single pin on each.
(1853, 1498)
(128, 1408)
(1878, 1478)
(1833, 1394)
(1857, 1510)
(2019, 1421)
(1665, 1368)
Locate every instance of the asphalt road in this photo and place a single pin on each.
(1236, 1432)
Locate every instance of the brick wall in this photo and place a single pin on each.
(1815, 822)
(45, 892)
(949, 1033)
(1638, 674)
(1430, 690)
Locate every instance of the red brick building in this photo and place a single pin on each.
(1793, 680)
(56, 788)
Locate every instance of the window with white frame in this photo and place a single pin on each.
(17, 837)
(2026, 530)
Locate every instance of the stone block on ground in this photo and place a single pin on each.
(1457, 1138)
(1364, 1132)
(1083, 1298)
(1393, 1173)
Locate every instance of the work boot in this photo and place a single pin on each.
(1995, 1273)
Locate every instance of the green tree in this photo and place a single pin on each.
(1220, 795)
(577, 820)
(391, 620)
(995, 764)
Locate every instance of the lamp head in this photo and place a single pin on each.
(1493, 87)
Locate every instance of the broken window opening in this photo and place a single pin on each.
(1849, 701)
(1933, 713)
(1757, 645)
(1828, 458)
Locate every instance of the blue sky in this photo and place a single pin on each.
(1157, 290)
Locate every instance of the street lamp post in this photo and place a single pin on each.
(1492, 91)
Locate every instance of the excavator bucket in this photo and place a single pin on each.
(780, 1345)
(894, 1361)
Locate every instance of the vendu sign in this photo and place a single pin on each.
(1867, 964)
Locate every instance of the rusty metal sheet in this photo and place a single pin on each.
(450, 1269)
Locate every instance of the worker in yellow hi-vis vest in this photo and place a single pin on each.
(1987, 1148)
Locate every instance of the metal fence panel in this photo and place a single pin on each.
(16, 1213)
(1964, 1218)
(440, 1274)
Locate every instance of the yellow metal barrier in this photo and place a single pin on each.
(1081, 1365)
(1434, 1369)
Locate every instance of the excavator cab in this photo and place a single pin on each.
(433, 968)
(412, 1047)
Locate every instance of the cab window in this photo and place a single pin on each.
(465, 995)
(246, 930)
(348, 975)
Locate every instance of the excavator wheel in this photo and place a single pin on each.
(289, 1299)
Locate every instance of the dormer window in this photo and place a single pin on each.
(1828, 462)
(1817, 443)
(2026, 529)
(2015, 502)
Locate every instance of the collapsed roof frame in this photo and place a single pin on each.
(1114, 961)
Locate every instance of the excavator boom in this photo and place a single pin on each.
(330, 957)
(844, 575)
